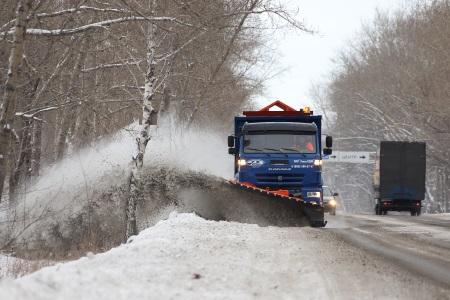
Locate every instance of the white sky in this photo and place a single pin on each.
(309, 57)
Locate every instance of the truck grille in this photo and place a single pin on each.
(279, 180)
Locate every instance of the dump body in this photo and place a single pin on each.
(399, 180)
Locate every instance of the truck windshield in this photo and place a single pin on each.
(276, 142)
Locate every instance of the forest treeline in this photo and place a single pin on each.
(87, 66)
(393, 83)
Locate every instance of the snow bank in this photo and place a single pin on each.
(184, 257)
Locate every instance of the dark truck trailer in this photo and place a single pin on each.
(399, 179)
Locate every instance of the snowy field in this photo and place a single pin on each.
(187, 257)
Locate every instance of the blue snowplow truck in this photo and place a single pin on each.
(279, 153)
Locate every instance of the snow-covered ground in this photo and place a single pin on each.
(187, 257)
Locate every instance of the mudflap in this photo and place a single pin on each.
(315, 214)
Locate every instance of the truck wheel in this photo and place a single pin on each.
(416, 212)
(319, 224)
(377, 210)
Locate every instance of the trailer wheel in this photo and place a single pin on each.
(377, 210)
(416, 212)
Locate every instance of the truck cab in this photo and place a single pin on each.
(280, 151)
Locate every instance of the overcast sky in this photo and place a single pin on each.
(309, 57)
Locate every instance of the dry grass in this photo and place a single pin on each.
(12, 267)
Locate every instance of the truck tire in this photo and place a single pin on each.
(318, 224)
(315, 215)
(416, 211)
(377, 210)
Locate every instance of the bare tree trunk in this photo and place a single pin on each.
(69, 116)
(22, 162)
(164, 107)
(149, 115)
(21, 166)
(82, 127)
(36, 145)
(8, 108)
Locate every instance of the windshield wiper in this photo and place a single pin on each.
(253, 149)
(272, 149)
(291, 149)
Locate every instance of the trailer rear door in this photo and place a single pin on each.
(402, 170)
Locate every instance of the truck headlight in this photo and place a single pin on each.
(241, 162)
(318, 162)
(332, 202)
(313, 194)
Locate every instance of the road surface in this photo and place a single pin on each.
(416, 247)
(187, 257)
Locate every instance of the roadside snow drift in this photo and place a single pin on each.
(183, 257)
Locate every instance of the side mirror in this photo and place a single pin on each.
(335, 194)
(230, 141)
(329, 142)
(231, 151)
(327, 151)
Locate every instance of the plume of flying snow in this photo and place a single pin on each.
(67, 186)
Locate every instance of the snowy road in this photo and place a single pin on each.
(418, 244)
(187, 257)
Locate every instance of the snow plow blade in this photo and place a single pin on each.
(278, 208)
(222, 200)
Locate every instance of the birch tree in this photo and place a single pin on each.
(149, 114)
